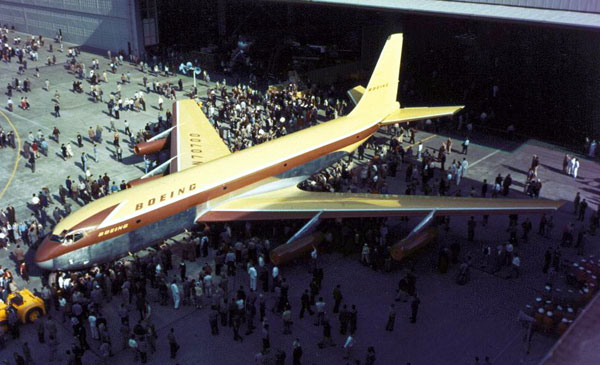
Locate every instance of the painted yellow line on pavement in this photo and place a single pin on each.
(422, 140)
(484, 157)
(14, 171)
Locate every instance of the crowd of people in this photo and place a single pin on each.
(81, 298)
(244, 117)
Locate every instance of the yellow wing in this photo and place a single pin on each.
(293, 203)
(410, 114)
(194, 140)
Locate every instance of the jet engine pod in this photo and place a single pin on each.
(296, 249)
(150, 147)
(409, 245)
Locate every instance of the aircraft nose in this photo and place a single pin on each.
(45, 253)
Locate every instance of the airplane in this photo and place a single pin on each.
(208, 183)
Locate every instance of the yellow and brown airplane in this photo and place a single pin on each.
(209, 183)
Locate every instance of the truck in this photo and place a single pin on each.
(29, 308)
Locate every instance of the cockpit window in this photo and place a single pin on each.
(67, 238)
(72, 238)
(56, 238)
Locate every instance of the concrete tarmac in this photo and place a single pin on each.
(456, 323)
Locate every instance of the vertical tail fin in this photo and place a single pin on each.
(380, 96)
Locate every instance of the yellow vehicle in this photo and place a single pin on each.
(29, 307)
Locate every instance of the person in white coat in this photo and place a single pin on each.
(575, 167)
(313, 259)
(175, 294)
(253, 274)
(465, 165)
(570, 166)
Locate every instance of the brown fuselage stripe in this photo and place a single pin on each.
(95, 219)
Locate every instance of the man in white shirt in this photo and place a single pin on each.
(93, 328)
(313, 259)
(62, 304)
(35, 202)
(320, 305)
(208, 285)
(575, 167)
(348, 346)
(175, 293)
(570, 165)
(365, 258)
(464, 164)
(253, 274)
(516, 265)
(465, 146)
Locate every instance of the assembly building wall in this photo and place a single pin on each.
(101, 24)
(590, 6)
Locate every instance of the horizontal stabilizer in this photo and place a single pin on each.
(356, 93)
(411, 114)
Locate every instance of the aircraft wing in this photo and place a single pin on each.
(293, 203)
(410, 114)
(194, 140)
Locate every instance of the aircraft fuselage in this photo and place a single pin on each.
(144, 215)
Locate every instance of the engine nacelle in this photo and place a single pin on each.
(409, 245)
(298, 248)
(150, 147)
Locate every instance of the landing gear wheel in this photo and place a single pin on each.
(33, 315)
